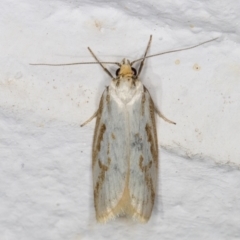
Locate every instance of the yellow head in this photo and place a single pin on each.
(126, 69)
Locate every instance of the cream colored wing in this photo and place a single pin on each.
(143, 171)
(109, 158)
(125, 158)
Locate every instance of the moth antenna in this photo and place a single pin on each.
(67, 64)
(144, 57)
(177, 50)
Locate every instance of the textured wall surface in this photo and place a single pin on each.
(45, 157)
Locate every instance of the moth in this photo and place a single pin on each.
(125, 144)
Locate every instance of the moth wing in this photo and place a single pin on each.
(109, 158)
(143, 176)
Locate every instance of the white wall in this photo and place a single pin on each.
(45, 157)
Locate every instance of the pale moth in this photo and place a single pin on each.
(125, 145)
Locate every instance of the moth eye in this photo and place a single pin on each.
(134, 71)
(117, 72)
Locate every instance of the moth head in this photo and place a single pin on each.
(126, 70)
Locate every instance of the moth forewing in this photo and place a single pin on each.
(143, 157)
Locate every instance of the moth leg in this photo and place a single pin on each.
(144, 57)
(90, 119)
(105, 69)
(163, 117)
